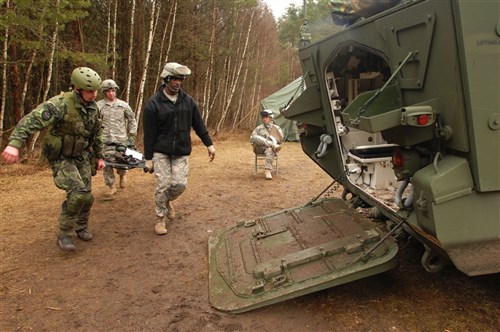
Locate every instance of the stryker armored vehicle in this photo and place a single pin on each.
(402, 109)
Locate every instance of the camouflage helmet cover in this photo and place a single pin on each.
(108, 84)
(268, 113)
(175, 69)
(85, 78)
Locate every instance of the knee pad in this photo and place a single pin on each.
(79, 200)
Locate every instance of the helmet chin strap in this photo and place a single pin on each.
(80, 96)
(172, 91)
(167, 86)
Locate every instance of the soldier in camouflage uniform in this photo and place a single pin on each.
(266, 139)
(73, 147)
(168, 118)
(119, 128)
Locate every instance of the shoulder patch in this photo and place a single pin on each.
(46, 115)
(52, 110)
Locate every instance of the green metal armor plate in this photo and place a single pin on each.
(292, 253)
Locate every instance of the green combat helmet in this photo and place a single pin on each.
(109, 84)
(85, 78)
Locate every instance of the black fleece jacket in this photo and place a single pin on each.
(167, 126)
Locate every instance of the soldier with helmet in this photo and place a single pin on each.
(119, 129)
(169, 116)
(73, 147)
(266, 139)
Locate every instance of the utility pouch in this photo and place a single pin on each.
(78, 147)
(67, 146)
(51, 146)
(93, 165)
(72, 147)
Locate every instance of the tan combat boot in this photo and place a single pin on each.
(268, 174)
(123, 181)
(111, 191)
(171, 210)
(160, 227)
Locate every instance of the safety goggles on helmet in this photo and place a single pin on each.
(266, 113)
(176, 78)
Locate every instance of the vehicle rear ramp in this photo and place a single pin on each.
(294, 252)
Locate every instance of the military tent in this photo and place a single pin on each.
(278, 101)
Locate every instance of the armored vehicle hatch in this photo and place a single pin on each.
(294, 252)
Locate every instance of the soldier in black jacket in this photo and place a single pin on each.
(169, 116)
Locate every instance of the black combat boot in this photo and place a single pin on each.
(65, 243)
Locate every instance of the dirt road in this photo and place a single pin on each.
(129, 279)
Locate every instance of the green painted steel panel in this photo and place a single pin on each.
(292, 253)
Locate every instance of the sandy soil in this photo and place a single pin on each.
(129, 279)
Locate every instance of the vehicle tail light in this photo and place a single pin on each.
(398, 160)
(423, 119)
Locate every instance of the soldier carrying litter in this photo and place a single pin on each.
(73, 147)
(119, 129)
(169, 116)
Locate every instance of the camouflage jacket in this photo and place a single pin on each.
(54, 115)
(268, 131)
(118, 120)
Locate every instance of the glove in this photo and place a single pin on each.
(211, 152)
(149, 167)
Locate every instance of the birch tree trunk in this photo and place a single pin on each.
(80, 31)
(171, 36)
(161, 63)
(242, 97)
(256, 77)
(227, 68)
(208, 75)
(30, 65)
(51, 59)
(4, 77)
(113, 43)
(27, 77)
(49, 75)
(235, 82)
(108, 33)
(130, 51)
(152, 27)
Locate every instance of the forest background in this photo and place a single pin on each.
(238, 51)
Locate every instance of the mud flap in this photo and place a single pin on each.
(292, 253)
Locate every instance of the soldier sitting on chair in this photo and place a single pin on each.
(266, 139)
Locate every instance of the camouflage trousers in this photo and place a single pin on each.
(262, 146)
(171, 179)
(109, 175)
(75, 178)
(108, 172)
